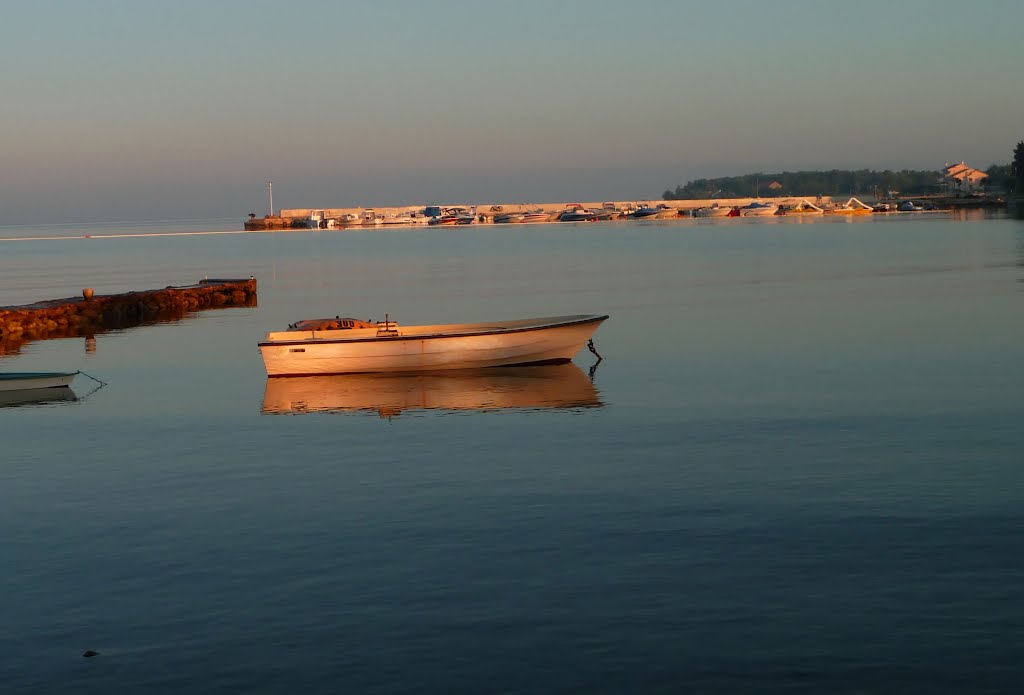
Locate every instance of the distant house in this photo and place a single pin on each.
(960, 178)
(775, 186)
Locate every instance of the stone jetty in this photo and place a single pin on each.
(92, 313)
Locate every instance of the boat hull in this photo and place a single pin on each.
(426, 348)
(711, 212)
(534, 217)
(27, 381)
(758, 212)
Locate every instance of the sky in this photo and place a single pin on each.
(119, 110)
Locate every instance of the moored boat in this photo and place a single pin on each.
(371, 218)
(534, 216)
(713, 210)
(757, 209)
(804, 207)
(318, 219)
(452, 216)
(653, 212)
(345, 346)
(850, 207)
(25, 381)
(574, 212)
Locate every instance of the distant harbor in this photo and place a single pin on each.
(601, 211)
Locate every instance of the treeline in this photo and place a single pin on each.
(837, 182)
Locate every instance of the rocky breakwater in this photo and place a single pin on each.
(91, 314)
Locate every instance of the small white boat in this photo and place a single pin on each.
(318, 219)
(509, 218)
(535, 216)
(850, 207)
(649, 211)
(350, 346)
(575, 212)
(756, 209)
(804, 207)
(713, 210)
(26, 381)
(498, 388)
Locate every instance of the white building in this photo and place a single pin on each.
(960, 178)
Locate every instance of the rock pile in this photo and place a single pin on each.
(75, 317)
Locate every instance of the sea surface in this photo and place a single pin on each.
(799, 467)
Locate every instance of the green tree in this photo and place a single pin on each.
(836, 182)
(1017, 167)
(999, 178)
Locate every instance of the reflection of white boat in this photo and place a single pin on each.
(24, 381)
(343, 346)
(56, 394)
(550, 386)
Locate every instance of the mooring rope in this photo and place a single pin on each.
(98, 381)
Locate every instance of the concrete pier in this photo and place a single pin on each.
(86, 317)
(295, 218)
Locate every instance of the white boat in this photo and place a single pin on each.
(757, 209)
(714, 210)
(349, 346)
(549, 386)
(452, 216)
(649, 211)
(509, 218)
(850, 207)
(318, 219)
(535, 216)
(804, 207)
(26, 381)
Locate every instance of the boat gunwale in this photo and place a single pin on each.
(17, 376)
(594, 318)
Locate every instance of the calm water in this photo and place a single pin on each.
(798, 469)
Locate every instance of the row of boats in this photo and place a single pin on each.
(576, 212)
(853, 206)
(460, 215)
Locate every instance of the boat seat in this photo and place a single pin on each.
(387, 328)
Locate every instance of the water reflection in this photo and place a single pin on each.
(10, 399)
(540, 387)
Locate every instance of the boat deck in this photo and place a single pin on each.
(430, 331)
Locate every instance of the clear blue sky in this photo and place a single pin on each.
(125, 110)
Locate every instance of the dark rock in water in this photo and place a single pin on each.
(90, 653)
